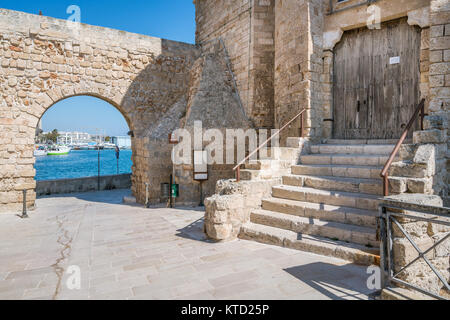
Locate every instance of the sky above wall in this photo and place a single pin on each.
(168, 19)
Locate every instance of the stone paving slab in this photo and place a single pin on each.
(129, 252)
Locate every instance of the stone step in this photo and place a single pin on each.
(282, 153)
(341, 214)
(316, 227)
(366, 141)
(345, 159)
(248, 175)
(358, 185)
(352, 149)
(337, 170)
(350, 252)
(336, 198)
(268, 164)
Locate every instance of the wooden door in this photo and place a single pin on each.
(376, 81)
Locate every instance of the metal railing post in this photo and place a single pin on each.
(301, 126)
(24, 209)
(147, 203)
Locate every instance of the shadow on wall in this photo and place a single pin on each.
(155, 103)
(190, 87)
(346, 282)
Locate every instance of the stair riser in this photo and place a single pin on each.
(323, 184)
(364, 141)
(348, 160)
(369, 188)
(247, 175)
(315, 230)
(296, 181)
(356, 257)
(346, 201)
(317, 213)
(363, 173)
(284, 154)
(269, 165)
(352, 149)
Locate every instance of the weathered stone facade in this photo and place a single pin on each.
(247, 29)
(257, 63)
(436, 124)
(299, 58)
(45, 60)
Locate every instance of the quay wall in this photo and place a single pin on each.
(62, 186)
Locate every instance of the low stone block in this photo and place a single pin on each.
(219, 232)
(429, 136)
(408, 169)
(424, 186)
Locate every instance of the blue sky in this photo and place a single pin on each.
(169, 19)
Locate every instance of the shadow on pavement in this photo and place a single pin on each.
(194, 231)
(335, 282)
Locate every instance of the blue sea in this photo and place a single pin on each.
(83, 163)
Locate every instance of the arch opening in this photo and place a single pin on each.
(83, 143)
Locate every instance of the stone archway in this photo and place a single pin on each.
(45, 60)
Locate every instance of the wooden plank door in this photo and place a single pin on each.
(376, 81)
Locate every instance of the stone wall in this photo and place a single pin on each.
(298, 65)
(424, 234)
(230, 207)
(247, 29)
(63, 186)
(45, 60)
(213, 100)
(436, 124)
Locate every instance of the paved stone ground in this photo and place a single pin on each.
(128, 252)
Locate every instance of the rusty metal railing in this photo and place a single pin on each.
(237, 168)
(385, 171)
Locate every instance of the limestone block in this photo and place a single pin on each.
(424, 186)
(429, 136)
(408, 169)
(219, 232)
(397, 185)
(404, 252)
(420, 17)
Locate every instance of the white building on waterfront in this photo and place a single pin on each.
(73, 138)
(123, 142)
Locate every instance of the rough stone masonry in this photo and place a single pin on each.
(265, 60)
(149, 80)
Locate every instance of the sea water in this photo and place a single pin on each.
(83, 163)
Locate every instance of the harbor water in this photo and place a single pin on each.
(82, 163)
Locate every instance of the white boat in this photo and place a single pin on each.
(40, 152)
(59, 151)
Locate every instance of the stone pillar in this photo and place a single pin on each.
(436, 124)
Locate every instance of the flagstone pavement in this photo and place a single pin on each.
(119, 251)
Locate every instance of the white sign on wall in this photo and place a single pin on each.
(394, 60)
(200, 161)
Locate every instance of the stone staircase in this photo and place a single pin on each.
(327, 204)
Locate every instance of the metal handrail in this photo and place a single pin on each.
(387, 166)
(237, 168)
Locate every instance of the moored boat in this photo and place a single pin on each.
(40, 152)
(59, 151)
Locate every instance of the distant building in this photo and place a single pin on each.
(122, 141)
(71, 138)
